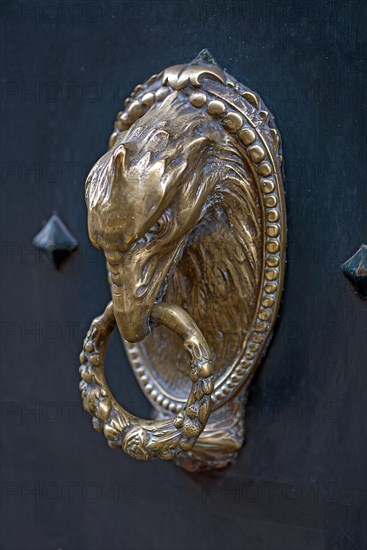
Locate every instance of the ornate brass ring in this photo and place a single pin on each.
(146, 439)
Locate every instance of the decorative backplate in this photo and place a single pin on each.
(194, 172)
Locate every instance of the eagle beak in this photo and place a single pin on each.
(136, 282)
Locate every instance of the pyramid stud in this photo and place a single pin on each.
(356, 270)
(204, 57)
(56, 240)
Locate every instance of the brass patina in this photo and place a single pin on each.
(188, 207)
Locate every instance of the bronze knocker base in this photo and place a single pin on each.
(188, 207)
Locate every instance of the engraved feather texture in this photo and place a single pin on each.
(209, 197)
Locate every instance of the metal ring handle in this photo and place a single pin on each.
(139, 438)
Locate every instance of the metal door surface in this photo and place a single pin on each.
(299, 482)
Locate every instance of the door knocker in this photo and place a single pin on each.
(188, 207)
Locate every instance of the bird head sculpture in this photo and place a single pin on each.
(187, 208)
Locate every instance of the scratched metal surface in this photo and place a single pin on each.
(300, 480)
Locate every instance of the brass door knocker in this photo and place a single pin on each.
(188, 207)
